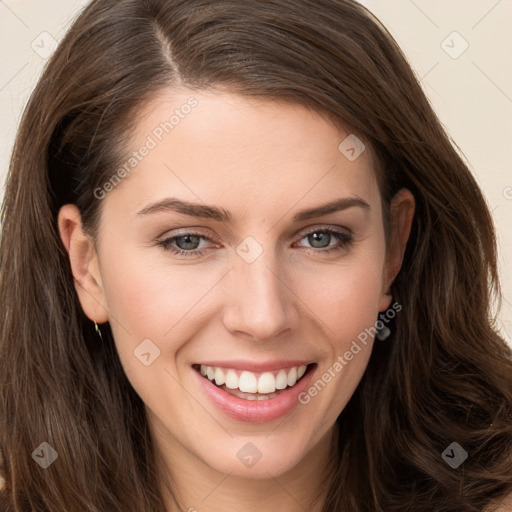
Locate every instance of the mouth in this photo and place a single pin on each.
(254, 396)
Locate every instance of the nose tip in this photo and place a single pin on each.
(262, 305)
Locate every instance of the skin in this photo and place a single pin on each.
(263, 162)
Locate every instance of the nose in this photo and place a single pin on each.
(261, 303)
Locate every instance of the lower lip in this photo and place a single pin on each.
(256, 411)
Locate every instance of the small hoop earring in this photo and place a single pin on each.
(98, 330)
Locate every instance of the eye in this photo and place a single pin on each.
(328, 240)
(185, 244)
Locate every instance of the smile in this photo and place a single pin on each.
(254, 396)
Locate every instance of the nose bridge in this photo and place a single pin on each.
(262, 304)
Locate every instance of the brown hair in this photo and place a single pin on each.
(445, 376)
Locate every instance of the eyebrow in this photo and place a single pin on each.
(204, 211)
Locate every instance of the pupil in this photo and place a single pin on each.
(319, 239)
(190, 242)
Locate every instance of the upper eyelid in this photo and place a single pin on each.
(314, 229)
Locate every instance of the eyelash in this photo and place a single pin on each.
(345, 239)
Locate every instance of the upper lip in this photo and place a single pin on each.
(253, 366)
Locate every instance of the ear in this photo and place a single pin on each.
(401, 214)
(84, 263)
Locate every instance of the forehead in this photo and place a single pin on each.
(212, 146)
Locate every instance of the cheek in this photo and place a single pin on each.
(343, 300)
(344, 296)
(160, 302)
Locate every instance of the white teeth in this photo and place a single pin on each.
(266, 383)
(281, 380)
(249, 382)
(219, 377)
(292, 376)
(231, 379)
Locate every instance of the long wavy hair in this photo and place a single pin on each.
(445, 376)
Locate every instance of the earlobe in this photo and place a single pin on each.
(402, 209)
(84, 263)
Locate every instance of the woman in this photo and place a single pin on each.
(243, 268)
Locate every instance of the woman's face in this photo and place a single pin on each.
(282, 264)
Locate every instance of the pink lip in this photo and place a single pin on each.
(255, 411)
(252, 366)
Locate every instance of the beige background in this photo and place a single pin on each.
(467, 75)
